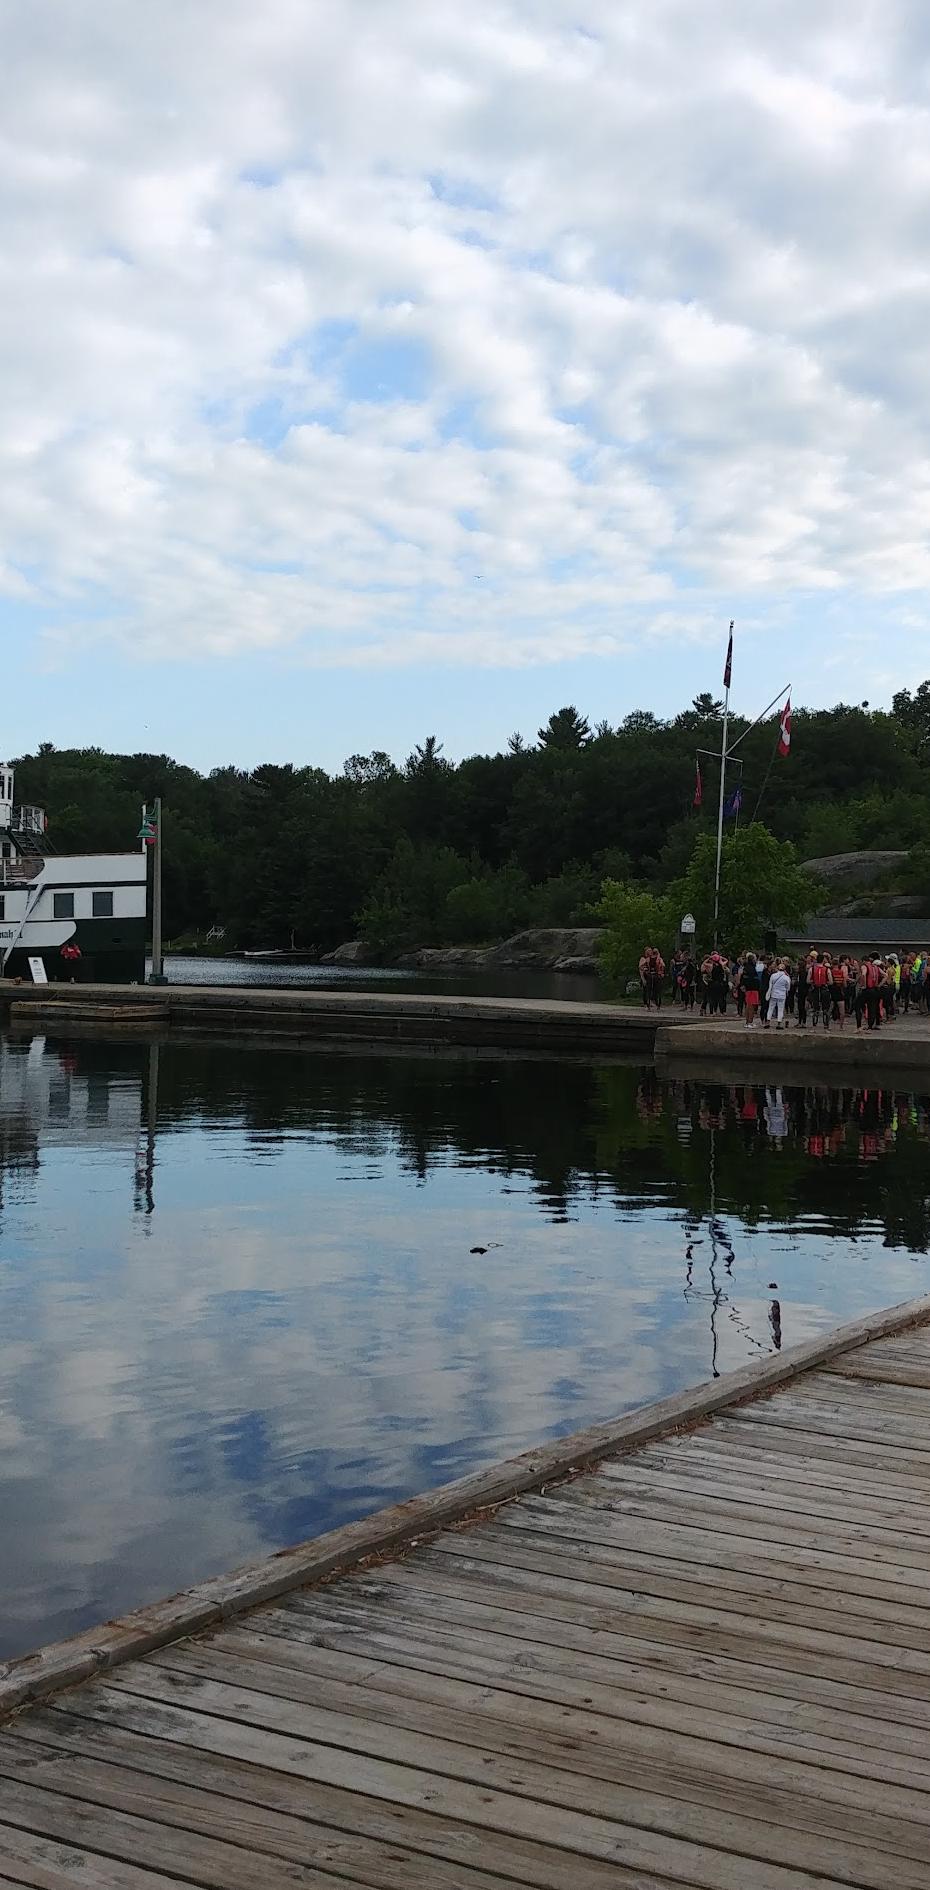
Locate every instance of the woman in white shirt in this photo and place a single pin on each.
(779, 987)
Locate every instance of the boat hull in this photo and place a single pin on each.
(112, 952)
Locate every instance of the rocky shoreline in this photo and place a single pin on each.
(556, 948)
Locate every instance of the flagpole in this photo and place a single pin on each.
(723, 770)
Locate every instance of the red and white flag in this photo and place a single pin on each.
(698, 786)
(784, 730)
(728, 665)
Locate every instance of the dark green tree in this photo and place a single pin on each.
(566, 729)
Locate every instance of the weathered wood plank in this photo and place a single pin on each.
(44, 1863)
(696, 1768)
(767, 1429)
(859, 1543)
(873, 1519)
(670, 1836)
(400, 1846)
(868, 1665)
(846, 1422)
(826, 1382)
(125, 1781)
(153, 1846)
(787, 1462)
(450, 1671)
(430, 1637)
(696, 1544)
(729, 1593)
(739, 1636)
(884, 1372)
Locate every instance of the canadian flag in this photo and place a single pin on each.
(784, 731)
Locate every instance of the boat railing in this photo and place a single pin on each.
(20, 872)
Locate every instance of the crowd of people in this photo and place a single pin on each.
(772, 991)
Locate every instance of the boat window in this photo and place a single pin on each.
(63, 905)
(103, 905)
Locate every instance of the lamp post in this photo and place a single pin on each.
(157, 975)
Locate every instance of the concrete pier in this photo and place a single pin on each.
(315, 1016)
(534, 1026)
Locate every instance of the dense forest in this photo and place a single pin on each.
(429, 852)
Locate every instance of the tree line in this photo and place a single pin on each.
(426, 851)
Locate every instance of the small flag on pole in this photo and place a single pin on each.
(732, 804)
(698, 786)
(728, 666)
(148, 832)
(784, 731)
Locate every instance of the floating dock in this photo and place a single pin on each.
(691, 1648)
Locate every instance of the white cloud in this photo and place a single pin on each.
(658, 275)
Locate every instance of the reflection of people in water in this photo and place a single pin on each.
(803, 1126)
(826, 1123)
(775, 1119)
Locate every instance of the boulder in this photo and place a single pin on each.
(442, 958)
(541, 948)
(855, 869)
(356, 952)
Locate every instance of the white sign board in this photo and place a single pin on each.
(39, 973)
(687, 923)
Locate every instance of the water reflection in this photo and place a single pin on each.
(247, 1293)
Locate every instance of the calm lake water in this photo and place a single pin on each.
(184, 969)
(248, 1293)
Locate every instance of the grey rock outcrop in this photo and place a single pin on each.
(356, 952)
(854, 869)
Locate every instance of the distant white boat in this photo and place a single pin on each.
(272, 955)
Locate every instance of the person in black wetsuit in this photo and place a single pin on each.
(802, 976)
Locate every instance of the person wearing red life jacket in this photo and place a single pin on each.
(838, 993)
(821, 988)
(70, 955)
(872, 983)
(749, 985)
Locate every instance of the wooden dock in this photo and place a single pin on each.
(688, 1649)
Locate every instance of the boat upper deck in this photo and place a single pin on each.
(689, 1649)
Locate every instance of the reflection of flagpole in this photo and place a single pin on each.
(145, 1162)
(723, 774)
(715, 1290)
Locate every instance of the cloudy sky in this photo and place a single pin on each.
(377, 368)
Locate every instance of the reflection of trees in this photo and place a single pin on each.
(835, 1161)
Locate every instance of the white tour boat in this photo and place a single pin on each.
(83, 914)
